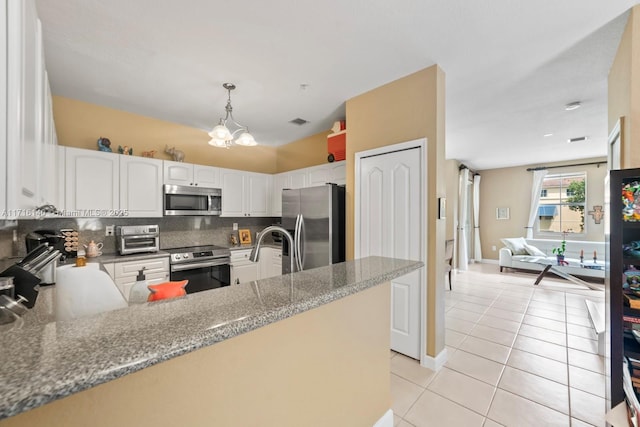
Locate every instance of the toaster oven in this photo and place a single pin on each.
(133, 239)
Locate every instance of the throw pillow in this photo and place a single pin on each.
(516, 245)
(532, 250)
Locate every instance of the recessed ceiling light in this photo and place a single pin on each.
(578, 139)
(547, 135)
(573, 106)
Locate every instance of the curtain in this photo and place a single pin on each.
(463, 260)
(477, 248)
(536, 187)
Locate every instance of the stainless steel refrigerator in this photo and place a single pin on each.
(315, 218)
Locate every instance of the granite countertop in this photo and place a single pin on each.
(43, 360)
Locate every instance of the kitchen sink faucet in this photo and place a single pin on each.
(255, 252)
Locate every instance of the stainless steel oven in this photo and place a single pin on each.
(205, 267)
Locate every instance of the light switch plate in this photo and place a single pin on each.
(235, 226)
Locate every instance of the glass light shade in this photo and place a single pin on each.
(220, 143)
(246, 139)
(220, 132)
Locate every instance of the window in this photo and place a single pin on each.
(562, 203)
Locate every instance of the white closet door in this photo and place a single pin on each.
(390, 226)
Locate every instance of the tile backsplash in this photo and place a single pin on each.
(174, 231)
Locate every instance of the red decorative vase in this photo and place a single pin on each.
(167, 290)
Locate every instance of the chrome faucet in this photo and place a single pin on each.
(255, 253)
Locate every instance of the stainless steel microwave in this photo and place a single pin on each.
(187, 200)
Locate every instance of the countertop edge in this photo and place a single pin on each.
(199, 340)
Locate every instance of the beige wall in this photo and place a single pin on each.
(403, 110)
(307, 370)
(511, 188)
(451, 184)
(624, 90)
(303, 153)
(80, 124)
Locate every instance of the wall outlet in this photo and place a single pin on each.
(108, 230)
(235, 226)
(493, 248)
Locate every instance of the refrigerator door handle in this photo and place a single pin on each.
(301, 241)
(296, 237)
(298, 242)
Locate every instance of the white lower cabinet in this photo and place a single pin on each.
(270, 262)
(245, 271)
(242, 269)
(124, 273)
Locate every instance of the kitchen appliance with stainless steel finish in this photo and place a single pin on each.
(205, 267)
(188, 200)
(134, 239)
(315, 217)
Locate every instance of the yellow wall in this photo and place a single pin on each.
(403, 110)
(511, 188)
(624, 90)
(307, 370)
(80, 124)
(311, 151)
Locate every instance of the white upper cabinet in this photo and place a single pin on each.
(141, 186)
(26, 119)
(257, 199)
(25, 99)
(3, 106)
(318, 175)
(232, 192)
(91, 181)
(297, 179)
(338, 173)
(307, 177)
(178, 173)
(245, 193)
(206, 176)
(280, 182)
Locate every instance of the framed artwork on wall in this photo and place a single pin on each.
(502, 213)
(245, 236)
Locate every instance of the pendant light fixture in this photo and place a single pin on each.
(221, 136)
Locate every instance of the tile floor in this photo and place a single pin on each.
(518, 355)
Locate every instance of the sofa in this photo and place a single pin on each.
(517, 250)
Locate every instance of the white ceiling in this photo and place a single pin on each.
(510, 65)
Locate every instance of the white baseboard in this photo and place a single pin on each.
(435, 363)
(386, 420)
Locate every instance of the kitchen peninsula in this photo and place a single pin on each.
(310, 348)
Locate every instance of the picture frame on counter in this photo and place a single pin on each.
(245, 236)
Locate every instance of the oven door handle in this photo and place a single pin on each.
(192, 265)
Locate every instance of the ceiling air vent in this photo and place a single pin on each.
(299, 121)
(579, 139)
